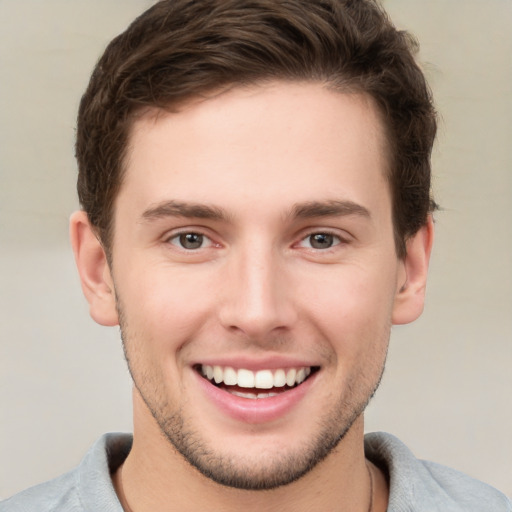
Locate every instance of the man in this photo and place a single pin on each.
(255, 185)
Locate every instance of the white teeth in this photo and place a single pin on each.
(279, 378)
(218, 374)
(290, 377)
(253, 396)
(244, 395)
(262, 379)
(245, 378)
(230, 376)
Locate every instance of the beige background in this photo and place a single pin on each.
(448, 387)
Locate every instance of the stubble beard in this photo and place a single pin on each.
(237, 472)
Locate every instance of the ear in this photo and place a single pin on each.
(95, 276)
(410, 297)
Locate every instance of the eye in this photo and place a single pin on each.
(320, 241)
(190, 241)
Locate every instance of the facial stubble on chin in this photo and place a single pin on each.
(240, 473)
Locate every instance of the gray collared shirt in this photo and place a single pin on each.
(415, 485)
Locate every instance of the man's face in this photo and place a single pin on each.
(254, 247)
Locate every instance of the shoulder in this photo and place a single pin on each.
(86, 487)
(56, 495)
(426, 486)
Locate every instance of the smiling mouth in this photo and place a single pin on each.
(255, 385)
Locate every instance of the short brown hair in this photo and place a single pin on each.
(179, 49)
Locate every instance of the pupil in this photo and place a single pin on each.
(191, 240)
(321, 241)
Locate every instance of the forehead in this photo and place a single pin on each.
(261, 143)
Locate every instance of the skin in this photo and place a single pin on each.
(255, 292)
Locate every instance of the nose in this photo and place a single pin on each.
(257, 299)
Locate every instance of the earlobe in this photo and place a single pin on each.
(410, 297)
(93, 268)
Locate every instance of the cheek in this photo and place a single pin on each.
(350, 292)
(165, 306)
(352, 307)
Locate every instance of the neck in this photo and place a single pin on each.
(156, 477)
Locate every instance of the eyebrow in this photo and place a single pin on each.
(307, 210)
(329, 208)
(181, 209)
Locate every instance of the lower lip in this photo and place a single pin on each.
(255, 410)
